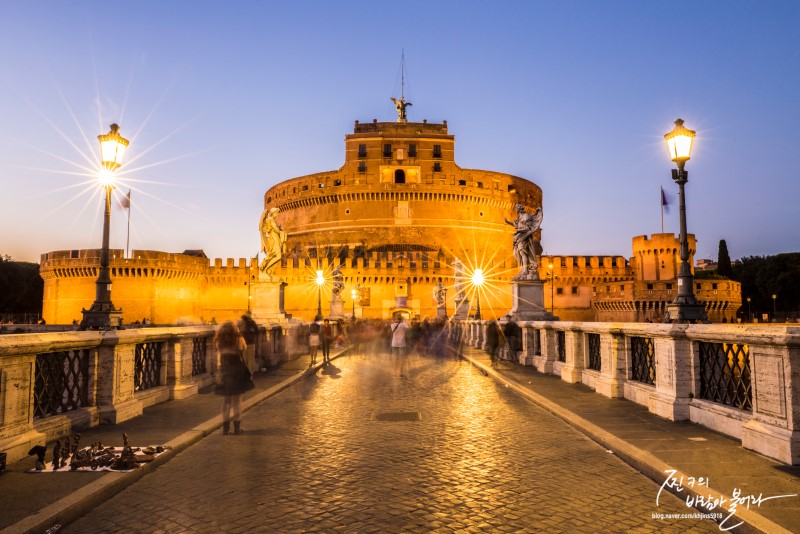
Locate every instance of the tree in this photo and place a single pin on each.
(764, 276)
(21, 287)
(724, 267)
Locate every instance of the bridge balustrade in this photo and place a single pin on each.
(53, 383)
(740, 380)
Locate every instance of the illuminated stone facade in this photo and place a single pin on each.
(394, 218)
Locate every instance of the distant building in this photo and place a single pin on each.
(394, 218)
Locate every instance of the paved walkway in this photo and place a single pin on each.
(654, 446)
(475, 457)
(313, 459)
(33, 502)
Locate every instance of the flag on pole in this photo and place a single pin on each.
(664, 201)
(126, 200)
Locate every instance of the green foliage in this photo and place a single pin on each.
(21, 287)
(764, 276)
(709, 275)
(724, 267)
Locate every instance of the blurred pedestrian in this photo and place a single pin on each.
(236, 377)
(399, 345)
(313, 341)
(493, 340)
(326, 337)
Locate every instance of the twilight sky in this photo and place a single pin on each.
(222, 100)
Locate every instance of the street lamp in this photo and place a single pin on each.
(354, 294)
(320, 281)
(551, 278)
(103, 315)
(685, 308)
(749, 318)
(477, 281)
(774, 297)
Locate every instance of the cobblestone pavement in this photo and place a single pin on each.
(315, 459)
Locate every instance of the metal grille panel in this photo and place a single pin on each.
(643, 365)
(594, 352)
(147, 366)
(199, 346)
(561, 345)
(537, 342)
(62, 382)
(725, 374)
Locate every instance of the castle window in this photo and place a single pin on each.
(512, 189)
(304, 188)
(362, 151)
(321, 186)
(669, 286)
(412, 151)
(574, 290)
(559, 291)
(437, 167)
(496, 185)
(437, 151)
(713, 286)
(387, 150)
(698, 287)
(650, 286)
(479, 185)
(362, 167)
(462, 182)
(337, 183)
(399, 176)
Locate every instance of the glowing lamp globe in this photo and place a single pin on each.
(477, 277)
(679, 143)
(112, 148)
(320, 279)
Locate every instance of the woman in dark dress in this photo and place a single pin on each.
(235, 376)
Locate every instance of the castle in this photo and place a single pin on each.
(394, 219)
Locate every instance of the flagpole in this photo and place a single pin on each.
(661, 201)
(128, 241)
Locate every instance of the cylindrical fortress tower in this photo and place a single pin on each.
(394, 217)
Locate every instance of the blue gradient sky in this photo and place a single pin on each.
(221, 100)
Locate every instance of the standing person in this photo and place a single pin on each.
(249, 330)
(313, 341)
(235, 376)
(326, 336)
(510, 332)
(493, 341)
(399, 345)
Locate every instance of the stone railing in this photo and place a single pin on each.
(740, 380)
(54, 383)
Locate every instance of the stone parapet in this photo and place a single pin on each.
(52, 384)
(740, 380)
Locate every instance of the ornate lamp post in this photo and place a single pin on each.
(354, 294)
(102, 315)
(685, 308)
(774, 310)
(477, 280)
(749, 317)
(320, 281)
(552, 278)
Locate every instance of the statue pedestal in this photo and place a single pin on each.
(337, 308)
(267, 295)
(528, 301)
(462, 309)
(441, 312)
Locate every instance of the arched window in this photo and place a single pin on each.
(399, 176)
